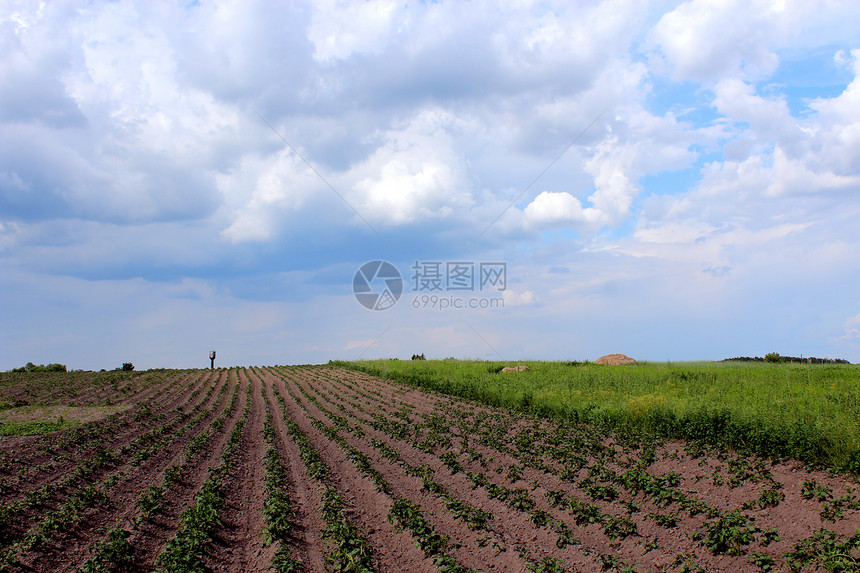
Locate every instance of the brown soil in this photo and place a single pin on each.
(239, 544)
(70, 544)
(513, 456)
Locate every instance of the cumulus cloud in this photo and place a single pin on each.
(638, 143)
(339, 29)
(838, 124)
(788, 155)
(34, 61)
(767, 119)
(135, 141)
(166, 128)
(514, 298)
(704, 39)
(852, 328)
(414, 174)
(555, 208)
(711, 40)
(278, 188)
(141, 143)
(794, 176)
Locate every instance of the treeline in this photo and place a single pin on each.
(30, 367)
(56, 367)
(779, 358)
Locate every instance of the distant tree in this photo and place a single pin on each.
(772, 357)
(127, 366)
(30, 367)
(418, 356)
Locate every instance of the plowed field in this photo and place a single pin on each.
(324, 469)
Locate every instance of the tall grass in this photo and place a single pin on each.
(808, 412)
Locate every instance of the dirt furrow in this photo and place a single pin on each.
(71, 546)
(66, 459)
(57, 462)
(394, 550)
(150, 537)
(308, 545)
(238, 545)
(498, 546)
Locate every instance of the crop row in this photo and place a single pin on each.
(434, 545)
(590, 467)
(350, 551)
(116, 550)
(278, 507)
(79, 441)
(186, 552)
(129, 453)
(404, 514)
(51, 521)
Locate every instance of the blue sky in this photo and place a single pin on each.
(674, 181)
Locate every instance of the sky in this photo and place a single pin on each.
(669, 180)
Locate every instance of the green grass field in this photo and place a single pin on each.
(809, 412)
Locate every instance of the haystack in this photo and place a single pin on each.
(615, 360)
(515, 369)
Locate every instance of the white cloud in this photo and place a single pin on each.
(767, 118)
(281, 184)
(794, 176)
(558, 208)
(638, 144)
(710, 39)
(838, 125)
(513, 298)
(144, 142)
(852, 328)
(130, 146)
(415, 174)
(614, 190)
(340, 29)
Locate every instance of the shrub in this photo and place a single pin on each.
(127, 366)
(772, 357)
(30, 367)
